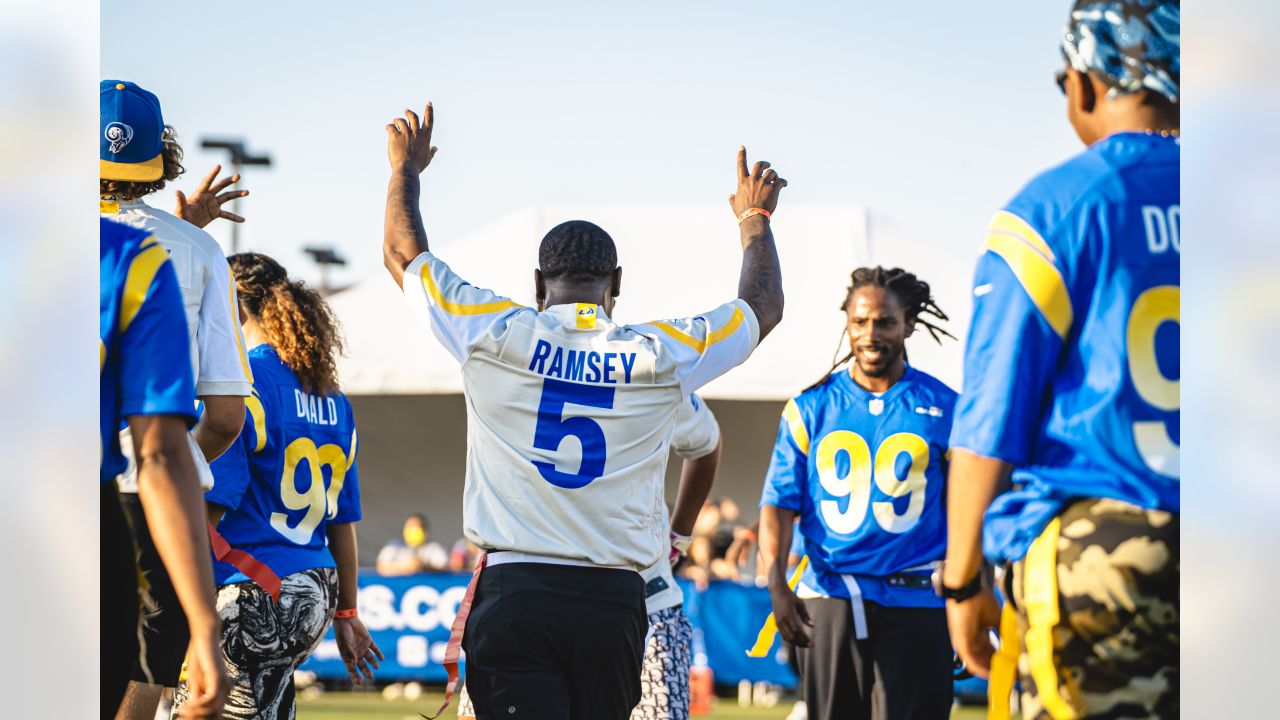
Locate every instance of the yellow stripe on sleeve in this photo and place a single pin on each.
(1038, 276)
(1040, 589)
(769, 631)
(454, 308)
(700, 346)
(138, 280)
(1006, 223)
(235, 329)
(259, 414)
(791, 413)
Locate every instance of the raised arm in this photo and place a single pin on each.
(760, 283)
(410, 151)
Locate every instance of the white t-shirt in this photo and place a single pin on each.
(569, 415)
(218, 360)
(696, 434)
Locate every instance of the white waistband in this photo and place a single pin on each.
(505, 557)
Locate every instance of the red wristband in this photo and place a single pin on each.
(753, 211)
(344, 614)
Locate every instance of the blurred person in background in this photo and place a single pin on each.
(861, 459)
(463, 556)
(288, 491)
(413, 552)
(138, 155)
(145, 381)
(1066, 463)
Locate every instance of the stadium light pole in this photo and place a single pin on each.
(325, 256)
(240, 157)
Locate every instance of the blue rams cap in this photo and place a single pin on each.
(131, 127)
(1133, 44)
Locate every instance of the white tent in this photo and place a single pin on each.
(676, 261)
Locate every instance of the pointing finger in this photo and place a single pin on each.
(429, 117)
(742, 162)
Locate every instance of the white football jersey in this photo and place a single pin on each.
(696, 434)
(569, 415)
(218, 360)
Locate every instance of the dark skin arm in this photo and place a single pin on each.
(696, 477)
(170, 496)
(760, 282)
(220, 424)
(973, 483)
(409, 149)
(357, 648)
(775, 543)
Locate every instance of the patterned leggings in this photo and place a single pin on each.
(264, 641)
(664, 679)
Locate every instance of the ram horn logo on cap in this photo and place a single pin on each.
(119, 135)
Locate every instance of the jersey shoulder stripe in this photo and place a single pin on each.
(700, 346)
(795, 423)
(457, 308)
(139, 279)
(1032, 263)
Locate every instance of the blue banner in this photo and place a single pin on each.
(410, 618)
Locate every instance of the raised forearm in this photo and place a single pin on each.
(973, 483)
(696, 478)
(342, 543)
(775, 543)
(403, 235)
(760, 283)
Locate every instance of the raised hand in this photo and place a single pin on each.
(409, 140)
(757, 188)
(205, 204)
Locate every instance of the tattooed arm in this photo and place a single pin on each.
(410, 151)
(760, 283)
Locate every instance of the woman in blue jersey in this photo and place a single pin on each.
(860, 459)
(288, 494)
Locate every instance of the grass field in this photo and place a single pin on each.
(371, 706)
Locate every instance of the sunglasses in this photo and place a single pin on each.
(1060, 79)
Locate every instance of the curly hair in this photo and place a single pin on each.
(170, 154)
(911, 291)
(577, 251)
(296, 320)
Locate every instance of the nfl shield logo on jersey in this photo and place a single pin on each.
(876, 406)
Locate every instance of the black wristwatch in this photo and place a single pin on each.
(960, 594)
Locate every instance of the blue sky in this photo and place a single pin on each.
(932, 114)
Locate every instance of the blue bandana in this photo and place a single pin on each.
(1133, 44)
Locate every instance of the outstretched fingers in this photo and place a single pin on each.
(742, 163)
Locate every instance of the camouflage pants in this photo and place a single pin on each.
(1096, 608)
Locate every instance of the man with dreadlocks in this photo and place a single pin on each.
(1070, 400)
(861, 458)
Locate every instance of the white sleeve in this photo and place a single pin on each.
(224, 367)
(708, 345)
(458, 313)
(696, 432)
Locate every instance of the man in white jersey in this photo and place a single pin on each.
(664, 680)
(570, 418)
(138, 155)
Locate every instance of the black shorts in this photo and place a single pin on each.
(118, 607)
(554, 642)
(165, 635)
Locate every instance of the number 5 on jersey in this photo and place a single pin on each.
(553, 428)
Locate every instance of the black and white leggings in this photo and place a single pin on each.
(264, 641)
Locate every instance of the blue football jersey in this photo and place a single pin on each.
(867, 475)
(291, 471)
(1072, 366)
(144, 365)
